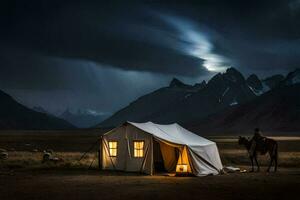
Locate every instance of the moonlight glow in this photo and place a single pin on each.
(196, 43)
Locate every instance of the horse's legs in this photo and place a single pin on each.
(275, 158)
(255, 158)
(252, 164)
(275, 163)
(271, 161)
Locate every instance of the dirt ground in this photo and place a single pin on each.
(23, 176)
(94, 184)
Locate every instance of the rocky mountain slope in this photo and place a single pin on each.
(183, 103)
(14, 115)
(274, 111)
(227, 103)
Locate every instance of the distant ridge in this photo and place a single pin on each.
(14, 115)
(82, 119)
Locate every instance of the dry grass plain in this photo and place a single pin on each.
(23, 176)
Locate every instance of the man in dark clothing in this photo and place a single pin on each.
(256, 140)
(257, 135)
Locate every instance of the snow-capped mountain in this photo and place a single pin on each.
(260, 87)
(255, 83)
(180, 102)
(83, 118)
(293, 77)
(275, 111)
(188, 104)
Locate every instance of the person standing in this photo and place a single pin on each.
(257, 137)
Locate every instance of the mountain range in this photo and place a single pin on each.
(227, 102)
(83, 118)
(275, 111)
(14, 115)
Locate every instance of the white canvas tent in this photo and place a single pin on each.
(138, 147)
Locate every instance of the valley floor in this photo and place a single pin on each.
(23, 176)
(53, 184)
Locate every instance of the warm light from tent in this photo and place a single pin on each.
(181, 168)
(138, 149)
(113, 148)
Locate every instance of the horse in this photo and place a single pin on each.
(263, 146)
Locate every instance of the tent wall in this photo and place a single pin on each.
(125, 160)
(205, 160)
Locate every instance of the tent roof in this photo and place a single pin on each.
(173, 133)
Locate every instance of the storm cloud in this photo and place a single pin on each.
(101, 56)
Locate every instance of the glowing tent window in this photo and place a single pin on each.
(113, 148)
(138, 149)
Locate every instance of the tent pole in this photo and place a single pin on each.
(106, 146)
(152, 162)
(144, 159)
(100, 154)
(88, 151)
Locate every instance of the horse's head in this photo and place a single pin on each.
(242, 140)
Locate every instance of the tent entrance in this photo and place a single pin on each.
(170, 158)
(165, 157)
(157, 158)
(183, 164)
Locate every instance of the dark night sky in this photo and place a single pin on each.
(100, 56)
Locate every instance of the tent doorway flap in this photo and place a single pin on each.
(183, 163)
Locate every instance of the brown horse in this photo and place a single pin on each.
(263, 146)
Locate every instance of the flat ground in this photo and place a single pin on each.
(55, 184)
(23, 176)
